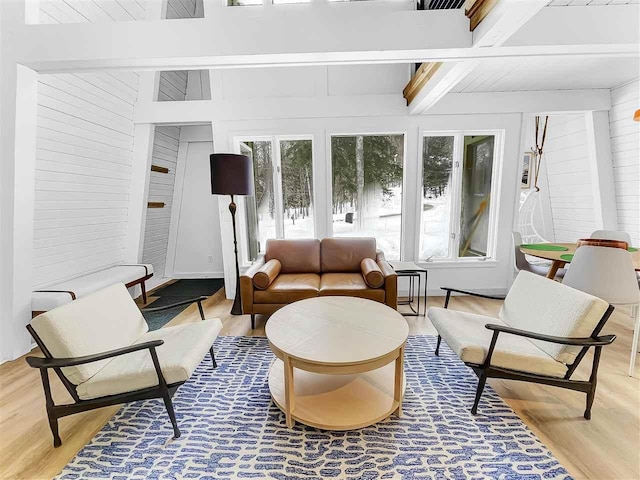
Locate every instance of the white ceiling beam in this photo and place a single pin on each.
(503, 21)
(265, 36)
(294, 37)
(205, 111)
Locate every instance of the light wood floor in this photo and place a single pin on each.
(608, 446)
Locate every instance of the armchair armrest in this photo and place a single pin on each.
(253, 269)
(177, 304)
(390, 284)
(246, 284)
(467, 292)
(44, 363)
(577, 341)
(198, 300)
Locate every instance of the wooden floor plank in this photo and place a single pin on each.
(605, 447)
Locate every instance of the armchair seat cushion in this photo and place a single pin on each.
(289, 287)
(349, 284)
(466, 335)
(183, 349)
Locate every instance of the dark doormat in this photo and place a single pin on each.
(177, 292)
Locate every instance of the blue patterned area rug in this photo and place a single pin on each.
(231, 429)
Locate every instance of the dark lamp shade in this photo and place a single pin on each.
(231, 174)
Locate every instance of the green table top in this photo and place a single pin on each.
(549, 247)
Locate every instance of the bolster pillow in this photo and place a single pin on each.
(267, 273)
(371, 272)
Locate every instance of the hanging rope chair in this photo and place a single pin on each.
(529, 200)
(527, 214)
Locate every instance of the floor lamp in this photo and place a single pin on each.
(232, 175)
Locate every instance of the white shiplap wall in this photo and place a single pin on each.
(184, 9)
(84, 153)
(625, 154)
(90, 11)
(156, 234)
(566, 166)
(83, 168)
(173, 86)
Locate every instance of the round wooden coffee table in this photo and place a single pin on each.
(340, 362)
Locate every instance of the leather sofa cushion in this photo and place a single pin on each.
(371, 272)
(345, 254)
(295, 256)
(288, 288)
(267, 274)
(349, 284)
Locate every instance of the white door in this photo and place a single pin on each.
(198, 250)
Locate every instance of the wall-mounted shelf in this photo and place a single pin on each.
(156, 168)
(155, 204)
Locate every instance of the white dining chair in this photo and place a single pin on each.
(523, 264)
(608, 273)
(612, 235)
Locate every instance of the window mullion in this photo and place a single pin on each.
(277, 182)
(458, 159)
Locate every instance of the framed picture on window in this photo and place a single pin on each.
(528, 170)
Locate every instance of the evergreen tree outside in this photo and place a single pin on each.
(435, 221)
(367, 173)
(437, 155)
(296, 160)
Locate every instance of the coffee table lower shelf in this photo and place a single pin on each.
(337, 402)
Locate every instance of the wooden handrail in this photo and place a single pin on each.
(159, 169)
(419, 80)
(155, 204)
(477, 10)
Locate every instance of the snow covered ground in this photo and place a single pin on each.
(384, 222)
(435, 227)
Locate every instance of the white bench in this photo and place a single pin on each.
(66, 291)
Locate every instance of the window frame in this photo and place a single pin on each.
(329, 173)
(458, 165)
(276, 172)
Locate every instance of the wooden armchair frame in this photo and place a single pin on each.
(162, 390)
(486, 370)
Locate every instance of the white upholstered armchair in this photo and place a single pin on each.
(542, 333)
(103, 352)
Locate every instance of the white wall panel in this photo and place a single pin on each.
(625, 154)
(367, 79)
(566, 168)
(84, 11)
(156, 234)
(83, 168)
(84, 152)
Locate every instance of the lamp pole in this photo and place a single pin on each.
(237, 305)
(232, 174)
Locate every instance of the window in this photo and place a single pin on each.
(367, 188)
(282, 206)
(239, 3)
(436, 204)
(476, 195)
(455, 213)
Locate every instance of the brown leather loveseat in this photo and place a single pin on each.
(293, 270)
